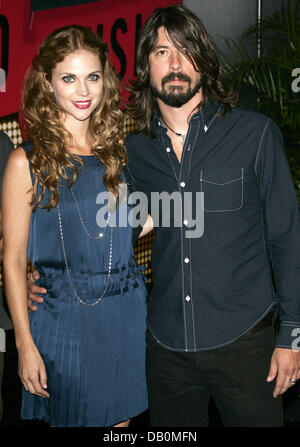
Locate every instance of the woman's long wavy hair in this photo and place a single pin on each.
(186, 31)
(43, 117)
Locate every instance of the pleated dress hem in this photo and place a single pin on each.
(111, 423)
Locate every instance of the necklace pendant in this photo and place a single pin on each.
(179, 134)
(101, 234)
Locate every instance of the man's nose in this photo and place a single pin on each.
(176, 60)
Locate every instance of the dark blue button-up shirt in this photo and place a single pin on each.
(208, 291)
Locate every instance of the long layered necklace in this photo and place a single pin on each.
(100, 235)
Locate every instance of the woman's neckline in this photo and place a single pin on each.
(83, 155)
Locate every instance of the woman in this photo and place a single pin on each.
(81, 356)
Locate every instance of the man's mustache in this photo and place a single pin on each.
(175, 76)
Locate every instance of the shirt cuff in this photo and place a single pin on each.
(289, 335)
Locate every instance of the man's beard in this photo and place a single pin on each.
(175, 97)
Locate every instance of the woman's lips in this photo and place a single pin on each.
(82, 104)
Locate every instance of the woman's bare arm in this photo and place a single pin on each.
(16, 214)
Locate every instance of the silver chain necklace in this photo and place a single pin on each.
(101, 234)
(67, 266)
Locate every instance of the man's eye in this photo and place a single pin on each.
(68, 79)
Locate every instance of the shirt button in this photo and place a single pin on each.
(168, 149)
(186, 260)
(185, 222)
(188, 298)
(182, 184)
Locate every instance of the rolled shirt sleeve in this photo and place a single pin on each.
(282, 231)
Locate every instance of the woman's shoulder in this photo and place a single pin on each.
(18, 159)
(17, 171)
(20, 152)
(26, 146)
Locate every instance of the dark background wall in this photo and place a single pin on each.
(230, 18)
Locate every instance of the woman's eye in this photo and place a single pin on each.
(68, 79)
(94, 77)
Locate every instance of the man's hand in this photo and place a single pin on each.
(285, 365)
(32, 289)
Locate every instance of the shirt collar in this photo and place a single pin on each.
(206, 115)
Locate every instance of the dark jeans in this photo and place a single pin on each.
(181, 384)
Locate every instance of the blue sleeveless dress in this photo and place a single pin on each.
(94, 354)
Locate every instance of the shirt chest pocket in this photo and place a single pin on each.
(223, 189)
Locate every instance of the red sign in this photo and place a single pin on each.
(21, 33)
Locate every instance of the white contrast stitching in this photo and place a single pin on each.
(222, 211)
(221, 184)
(260, 143)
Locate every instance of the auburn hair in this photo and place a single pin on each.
(43, 124)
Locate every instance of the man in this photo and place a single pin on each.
(5, 147)
(211, 309)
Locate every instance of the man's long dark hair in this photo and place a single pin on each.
(185, 30)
